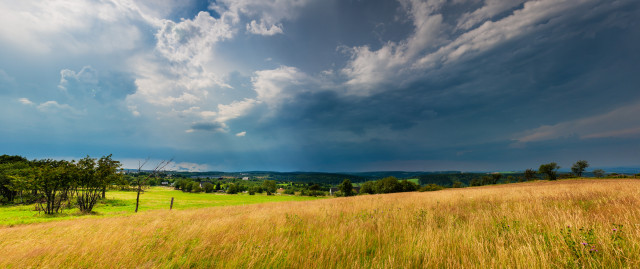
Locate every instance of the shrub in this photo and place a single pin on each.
(598, 173)
(408, 186)
(431, 187)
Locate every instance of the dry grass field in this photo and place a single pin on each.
(568, 223)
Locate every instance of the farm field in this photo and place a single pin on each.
(124, 203)
(568, 223)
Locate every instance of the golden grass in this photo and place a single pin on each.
(524, 225)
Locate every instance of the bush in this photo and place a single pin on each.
(289, 191)
(311, 193)
(431, 187)
(408, 186)
(316, 193)
(598, 173)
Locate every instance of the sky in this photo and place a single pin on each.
(323, 85)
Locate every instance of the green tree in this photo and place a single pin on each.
(195, 187)
(598, 173)
(233, 188)
(12, 159)
(87, 188)
(579, 167)
(269, 186)
(92, 178)
(11, 173)
(529, 174)
(346, 187)
(368, 187)
(476, 182)
(52, 180)
(388, 185)
(107, 173)
(208, 187)
(495, 178)
(549, 169)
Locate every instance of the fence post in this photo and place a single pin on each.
(171, 207)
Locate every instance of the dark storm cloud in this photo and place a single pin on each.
(473, 109)
(339, 85)
(208, 126)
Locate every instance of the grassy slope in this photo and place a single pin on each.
(517, 226)
(123, 203)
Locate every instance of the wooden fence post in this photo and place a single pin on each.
(171, 207)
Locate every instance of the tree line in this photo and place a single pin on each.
(230, 186)
(56, 184)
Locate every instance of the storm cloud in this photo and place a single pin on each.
(325, 85)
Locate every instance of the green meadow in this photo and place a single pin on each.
(124, 202)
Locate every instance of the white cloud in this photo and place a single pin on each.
(241, 134)
(192, 40)
(134, 111)
(262, 29)
(172, 166)
(195, 112)
(432, 45)
(55, 108)
(621, 122)
(25, 101)
(186, 73)
(216, 121)
(234, 110)
(277, 85)
(50, 26)
(187, 166)
(368, 68)
(534, 16)
(268, 12)
(490, 9)
(187, 68)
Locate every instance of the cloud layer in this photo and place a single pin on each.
(346, 85)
